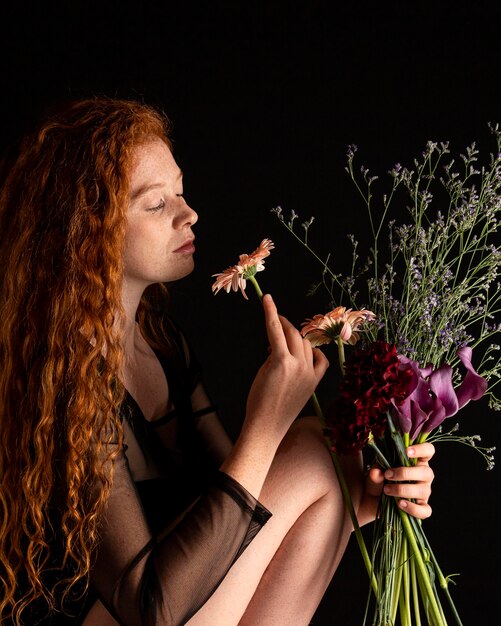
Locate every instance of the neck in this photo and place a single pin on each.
(131, 295)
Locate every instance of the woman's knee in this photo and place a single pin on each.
(302, 472)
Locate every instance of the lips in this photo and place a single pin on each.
(187, 247)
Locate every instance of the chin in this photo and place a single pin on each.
(181, 273)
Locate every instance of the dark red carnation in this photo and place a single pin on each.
(373, 377)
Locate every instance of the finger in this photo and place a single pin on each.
(308, 350)
(420, 511)
(320, 362)
(274, 328)
(416, 473)
(293, 338)
(375, 480)
(421, 451)
(414, 491)
(376, 475)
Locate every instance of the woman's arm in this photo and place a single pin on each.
(141, 580)
(280, 390)
(209, 427)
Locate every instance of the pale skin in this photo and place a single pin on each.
(282, 461)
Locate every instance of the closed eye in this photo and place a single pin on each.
(159, 206)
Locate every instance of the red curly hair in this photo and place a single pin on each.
(62, 223)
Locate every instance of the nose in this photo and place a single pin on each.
(187, 216)
(193, 217)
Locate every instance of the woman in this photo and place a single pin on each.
(122, 500)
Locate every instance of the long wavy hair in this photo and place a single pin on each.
(62, 223)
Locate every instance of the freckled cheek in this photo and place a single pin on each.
(133, 250)
(144, 249)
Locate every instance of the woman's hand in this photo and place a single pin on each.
(288, 377)
(282, 386)
(404, 483)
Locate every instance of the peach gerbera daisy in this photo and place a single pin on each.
(235, 277)
(339, 323)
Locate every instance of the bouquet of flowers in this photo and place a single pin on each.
(420, 317)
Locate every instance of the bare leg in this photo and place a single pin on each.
(282, 576)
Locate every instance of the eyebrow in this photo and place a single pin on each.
(142, 189)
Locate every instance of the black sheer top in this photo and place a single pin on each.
(174, 524)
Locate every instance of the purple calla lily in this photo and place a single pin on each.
(473, 386)
(433, 397)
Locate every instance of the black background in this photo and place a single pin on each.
(264, 99)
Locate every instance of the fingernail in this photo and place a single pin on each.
(411, 452)
(402, 503)
(267, 296)
(389, 474)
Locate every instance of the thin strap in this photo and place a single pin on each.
(163, 420)
(212, 408)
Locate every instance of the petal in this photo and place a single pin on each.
(404, 364)
(263, 250)
(312, 324)
(235, 281)
(354, 338)
(421, 371)
(426, 371)
(403, 411)
(419, 419)
(427, 411)
(242, 284)
(435, 418)
(317, 337)
(336, 315)
(441, 384)
(473, 386)
(421, 395)
(345, 332)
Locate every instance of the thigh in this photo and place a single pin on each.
(301, 475)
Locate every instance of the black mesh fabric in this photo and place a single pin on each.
(174, 524)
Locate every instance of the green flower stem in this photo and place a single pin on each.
(395, 592)
(410, 530)
(406, 440)
(404, 615)
(337, 465)
(400, 444)
(442, 580)
(256, 286)
(416, 524)
(340, 350)
(422, 437)
(318, 409)
(342, 481)
(415, 550)
(347, 498)
(415, 595)
(406, 592)
(379, 455)
(452, 606)
(422, 571)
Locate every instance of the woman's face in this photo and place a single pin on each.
(158, 240)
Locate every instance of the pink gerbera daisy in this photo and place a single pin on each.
(339, 323)
(235, 277)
